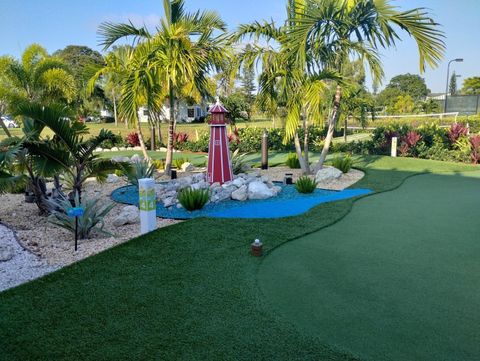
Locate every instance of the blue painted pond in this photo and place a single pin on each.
(288, 203)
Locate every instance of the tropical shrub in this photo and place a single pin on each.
(456, 131)
(91, 220)
(475, 152)
(159, 164)
(193, 199)
(344, 164)
(138, 170)
(292, 161)
(179, 138)
(178, 162)
(239, 162)
(408, 142)
(305, 184)
(133, 140)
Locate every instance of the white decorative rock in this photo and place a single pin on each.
(121, 159)
(112, 178)
(241, 194)
(128, 215)
(259, 190)
(98, 149)
(327, 175)
(238, 182)
(6, 252)
(188, 167)
(114, 149)
(137, 148)
(170, 201)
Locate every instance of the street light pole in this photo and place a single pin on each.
(458, 60)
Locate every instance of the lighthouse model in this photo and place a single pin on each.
(219, 163)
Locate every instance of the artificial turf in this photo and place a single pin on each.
(396, 279)
(184, 292)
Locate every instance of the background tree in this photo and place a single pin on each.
(404, 104)
(410, 84)
(35, 77)
(83, 62)
(471, 85)
(328, 32)
(248, 84)
(177, 58)
(452, 86)
(237, 106)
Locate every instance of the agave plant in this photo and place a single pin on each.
(138, 170)
(239, 162)
(91, 220)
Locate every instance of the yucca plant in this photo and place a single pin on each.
(305, 184)
(193, 199)
(344, 164)
(292, 161)
(91, 220)
(138, 170)
(239, 162)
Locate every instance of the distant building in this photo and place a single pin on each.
(436, 96)
(185, 113)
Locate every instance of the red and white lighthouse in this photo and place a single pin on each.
(219, 163)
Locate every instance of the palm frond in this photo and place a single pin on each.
(109, 33)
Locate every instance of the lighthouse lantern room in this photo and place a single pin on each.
(219, 162)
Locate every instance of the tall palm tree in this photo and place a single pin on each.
(281, 81)
(176, 59)
(324, 34)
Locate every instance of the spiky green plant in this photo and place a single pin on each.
(138, 170)
(193, 199)
(343, 163)
(305, 184)
(292, 161)
(178, 162)
(239, 162)
(91, 220)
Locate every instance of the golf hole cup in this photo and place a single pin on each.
(257, 248)
(148, 205)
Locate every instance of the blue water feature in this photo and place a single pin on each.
(288, 203)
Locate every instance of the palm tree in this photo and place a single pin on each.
(174, 61)
(36, 77)
(324, 34)
(282, 82)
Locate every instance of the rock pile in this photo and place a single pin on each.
(242, 188)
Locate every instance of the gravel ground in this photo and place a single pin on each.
(40, 247)
(17, 265)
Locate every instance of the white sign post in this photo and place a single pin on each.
(147, 204)
(394, 146)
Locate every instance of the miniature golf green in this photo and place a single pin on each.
(192, 291)
(396, 279)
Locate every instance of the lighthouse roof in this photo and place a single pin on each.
(218, 108)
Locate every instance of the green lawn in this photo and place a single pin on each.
(191, 291)
(190, 128)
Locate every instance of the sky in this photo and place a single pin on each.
(57, 23)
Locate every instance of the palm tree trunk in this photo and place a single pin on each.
(115, 108)
(345, 129)
(331, 128)
(305, 144)
(171, 129)
(298, 149)
(5, 129)
(141, 139)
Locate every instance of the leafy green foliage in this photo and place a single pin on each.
(193, 199)
(292, 161)
(91, 220)
(409, 84)
(237, 106)
(471, 85)
(159, 164)
(343, 163)
(239, 162)
(305, 184)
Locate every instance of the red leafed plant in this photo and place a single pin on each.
(133, 140)
(456, 131)
(475, 143)
(234, 136)
(409, 141)
(179, 138)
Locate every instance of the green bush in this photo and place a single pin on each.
(91, 220)
(292, 161)
(159, 164)
(193, 199)
(239, 162)
(305, 185)
(344, 164)
(178, 162)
